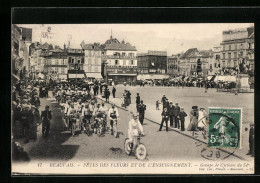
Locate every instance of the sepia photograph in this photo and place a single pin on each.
(132, 98)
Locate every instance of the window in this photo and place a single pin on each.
(89, 53)
(241, 54)
(224, 56)
(224, 64)
(56, 69)
(131, 54)
(235, 63)
(229, 47)
(89, 61)
(235, 46)
(116, 62)
(72, 60)
(210, 67)
(235, 54)
(123, 54)
(229, 56)
(131, 62)
(124, 62)
(223, 47)
(62, 70)
(78, 61)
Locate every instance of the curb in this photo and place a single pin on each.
(223, 150)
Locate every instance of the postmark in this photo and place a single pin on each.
(225, 127)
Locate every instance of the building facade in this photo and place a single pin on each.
(93, 60)
(152, 63)
(76, 61)
(173, 65)
(120, 60)
(55, 63)
(194, 62)
(237, 47)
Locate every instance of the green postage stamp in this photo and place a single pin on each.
(225, 127)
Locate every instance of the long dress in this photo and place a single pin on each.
(193, 121)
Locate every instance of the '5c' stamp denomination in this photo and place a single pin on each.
(225, 127)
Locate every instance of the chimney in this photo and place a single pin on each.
(64, 47)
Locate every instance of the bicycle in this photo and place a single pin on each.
(139, 150)
(101, 126)
(75, 124)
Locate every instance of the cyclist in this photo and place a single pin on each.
(134, 128)
(86, 114)
(112, 115)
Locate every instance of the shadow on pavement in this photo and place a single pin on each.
(51, 148)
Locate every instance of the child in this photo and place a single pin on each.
(157, 105)
(182, 116)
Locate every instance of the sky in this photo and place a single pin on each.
(173, 38)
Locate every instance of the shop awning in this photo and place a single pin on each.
(209, 77)
(152, 76)
(225, 78)
(94, 75)
(122, 74)
(75, 76)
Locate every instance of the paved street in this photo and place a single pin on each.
(60, 145)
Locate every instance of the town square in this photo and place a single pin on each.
(120, 98)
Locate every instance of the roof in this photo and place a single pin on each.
(111, 40)
(95, 46)
(206, 53)
(190, 53)
(45, 46)
(120, 46)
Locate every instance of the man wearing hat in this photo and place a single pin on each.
(251, 140)
(171, 114)
(26, 119)
(182, 116)
(163, 100)
(176, 116)
(141, 110)
(46, 117)
(137, 101)
(114, 92)
(166, 104)
(35, 121)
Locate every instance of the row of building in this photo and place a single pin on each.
(120, 61)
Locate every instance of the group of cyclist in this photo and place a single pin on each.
(80, 107)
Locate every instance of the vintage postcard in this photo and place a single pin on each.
(95, 99)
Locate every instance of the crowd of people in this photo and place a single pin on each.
(25, 109)
(77, 102)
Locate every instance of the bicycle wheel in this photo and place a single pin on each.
(140, 152)
(127, 147)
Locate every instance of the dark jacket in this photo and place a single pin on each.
(114, 90)
(171, 110)
(182, 115)
(141, 108)
(46, 116)
(165, 115)
(137, 100)
(177, 111)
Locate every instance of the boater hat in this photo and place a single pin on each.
(194, 107)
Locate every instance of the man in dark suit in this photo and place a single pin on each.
(137, 101)
(176, 116)
(141, 110)
(165, 118)
(171, 114)
(46, 118)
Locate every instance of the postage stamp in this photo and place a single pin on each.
(225, 127)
